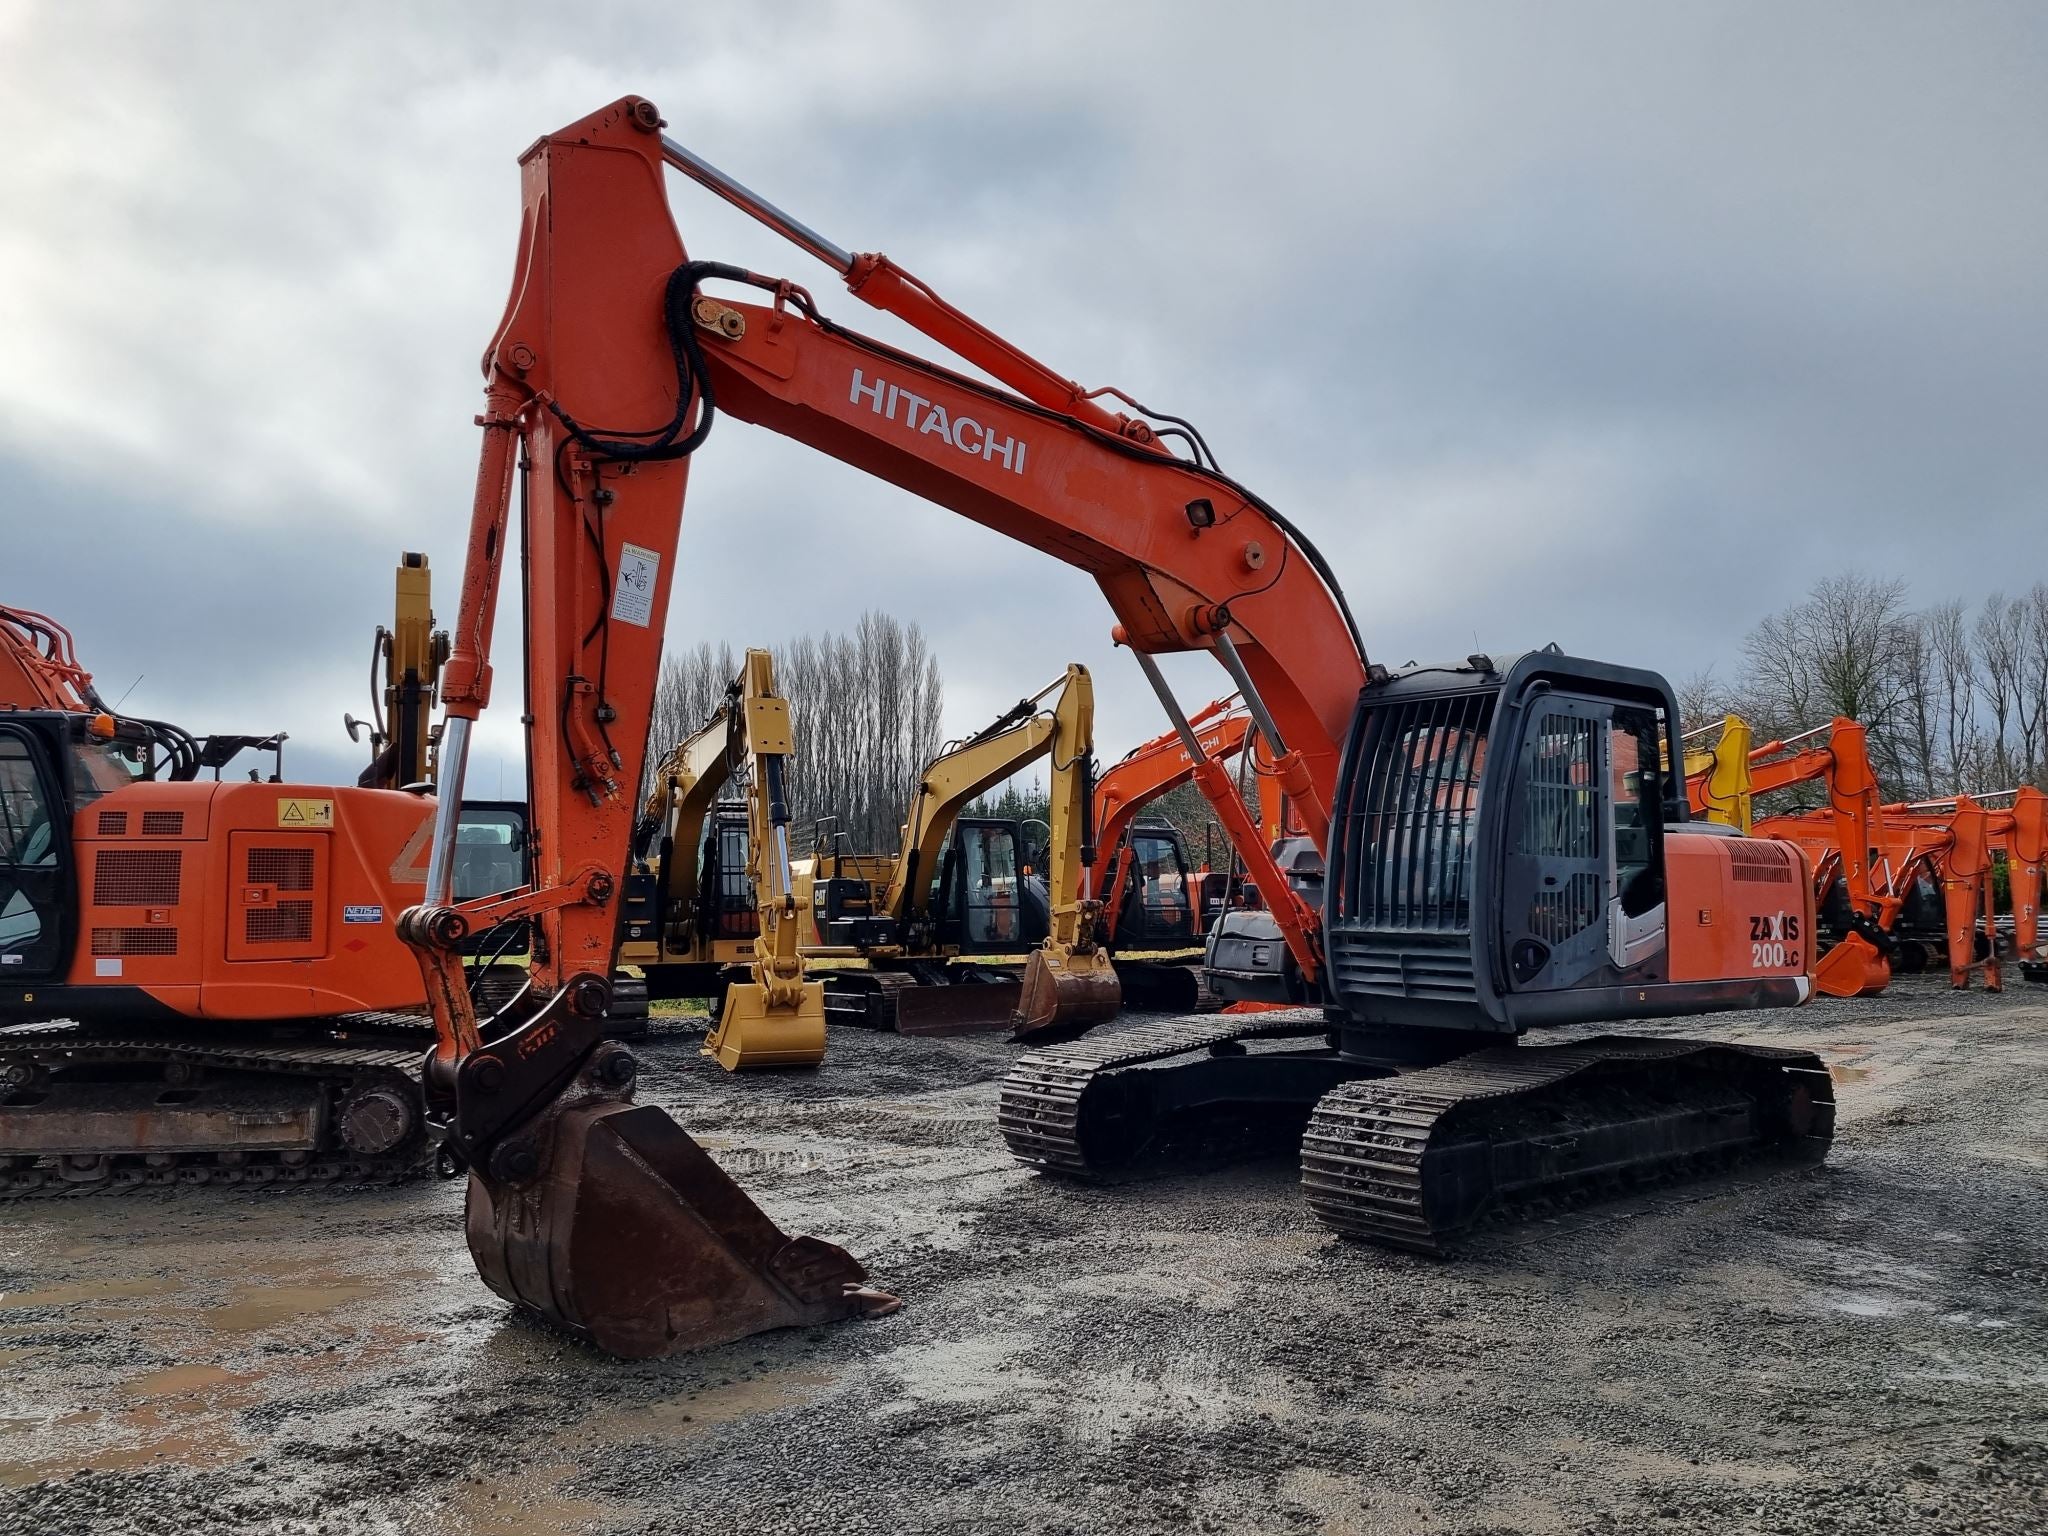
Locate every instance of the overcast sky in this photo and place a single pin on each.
(1610, 324)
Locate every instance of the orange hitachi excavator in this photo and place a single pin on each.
(1505, 849)
(198, 978)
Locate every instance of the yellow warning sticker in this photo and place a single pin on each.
(305, 814)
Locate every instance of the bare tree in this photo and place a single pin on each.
(2001, 645)
(1955, 696)
(864, 709)
(693, 684)
(2031, 712)
(1850, 647)
(1702, 700)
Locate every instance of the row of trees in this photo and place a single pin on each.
(1954, 696)
(864, 709)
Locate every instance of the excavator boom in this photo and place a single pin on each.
(599, 1214)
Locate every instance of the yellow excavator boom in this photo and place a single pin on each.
(1717, 777)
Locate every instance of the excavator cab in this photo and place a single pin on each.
(983, 904)
(1512, 853)
(35, 859)
(1158, 910)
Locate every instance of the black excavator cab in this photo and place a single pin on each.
(1510, 850)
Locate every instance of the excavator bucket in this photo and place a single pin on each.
(1065, 995)
(1853, 968)
(629, 1236)
(753, 1034)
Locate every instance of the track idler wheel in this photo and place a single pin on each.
(1065, 995)
(608, 1220)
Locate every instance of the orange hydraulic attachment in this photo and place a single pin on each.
(1852, 832)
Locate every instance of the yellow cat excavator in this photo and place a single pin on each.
(710, 904)
(960, 888)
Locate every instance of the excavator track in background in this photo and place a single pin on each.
(224, 1109)
(1167, 986)
(1090, 1108)
(1418, 1160)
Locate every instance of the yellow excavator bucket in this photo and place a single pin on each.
(754, 1033)
(1065, 994)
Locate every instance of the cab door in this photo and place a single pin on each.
(1158, 912)
(980, 895)
(1583, 886)
(35, 863)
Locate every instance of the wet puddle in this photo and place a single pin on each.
(532, 1501)
(253, 1307)
(86, 1291)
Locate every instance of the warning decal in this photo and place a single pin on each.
(305, 814)
(633, 592)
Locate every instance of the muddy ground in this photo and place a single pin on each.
(1859, 1347)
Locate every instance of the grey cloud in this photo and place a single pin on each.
(1607, 324)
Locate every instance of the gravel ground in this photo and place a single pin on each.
(1859, 1347)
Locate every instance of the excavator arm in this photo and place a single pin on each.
(600, 1214)
(1022, 735)
(776, 1017)
(1858, 965)
(603, 376)
(405, 677)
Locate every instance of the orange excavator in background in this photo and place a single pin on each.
(1505, 849)
(200, 981)
(1948, 845)
(1851, 832)
(1125, 788)
(1153, 901)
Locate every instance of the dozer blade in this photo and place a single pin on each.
(957, 1008)
(1065, 996)
(631, 1237)
(752, 1034)
(1853, 968)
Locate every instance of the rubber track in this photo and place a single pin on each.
(80, 1047)
(1040, 1109)
(1362, 1153)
